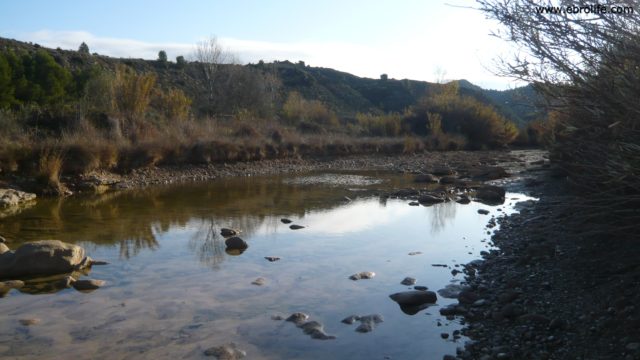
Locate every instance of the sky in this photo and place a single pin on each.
(431, 40)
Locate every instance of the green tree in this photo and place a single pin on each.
(162, 56)
(48, 79)
(6, 86)
(181, 62)
(84, 48)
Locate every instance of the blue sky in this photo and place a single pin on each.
(403, 38)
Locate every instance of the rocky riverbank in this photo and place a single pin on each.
(552, 290)
(466, 163)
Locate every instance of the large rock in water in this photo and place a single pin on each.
(492, 195)
(41, 258)
(414, 297)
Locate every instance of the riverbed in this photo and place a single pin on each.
(172, 290)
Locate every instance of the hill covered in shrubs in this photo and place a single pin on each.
(73, 111)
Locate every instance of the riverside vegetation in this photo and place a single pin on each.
(72, 112)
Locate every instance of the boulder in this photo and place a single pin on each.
(235, 243)
(42, 258)
(414, 297)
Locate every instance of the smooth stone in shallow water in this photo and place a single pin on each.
(296, 227)
(483, 211)
(421, 288)
(452, 291)
(316, 331)
(228, 351)
(368, 323)
(362, 275)
(298, 318)
(408, 281)
(236, 243)
(29, 322)
(226, 232)
(286, 221)
(350, 319)
(272, 258)
(42, 258)
(88, 284)
(414, 203)
(414, 297)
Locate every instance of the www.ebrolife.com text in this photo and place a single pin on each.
(585, 9)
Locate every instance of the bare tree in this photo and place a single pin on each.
(585, 57)
(212, 56)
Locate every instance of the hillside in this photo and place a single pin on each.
(344, 93)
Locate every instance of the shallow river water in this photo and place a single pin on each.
(172, 291)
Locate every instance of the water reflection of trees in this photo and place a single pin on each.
(441, 213)
(132, 220)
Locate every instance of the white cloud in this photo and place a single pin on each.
(414, 58)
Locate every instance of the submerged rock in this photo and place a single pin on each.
(286, 221)
(235, 243)
(259, 281)
(272, 258)
(483, 211)
(228, 351)
(29, 322)
(369, 322)
(312, 328)
(350, 319)
(316, 331)
(452, 291)
(42, 258)
(362, 275)
(297, 318)
(296, 227)
(87, 284)
(408, 281)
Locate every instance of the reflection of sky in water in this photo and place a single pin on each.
(180, 293)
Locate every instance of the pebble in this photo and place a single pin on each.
(286, 221)
(272, 258)
(362, 275)
(296, 227)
